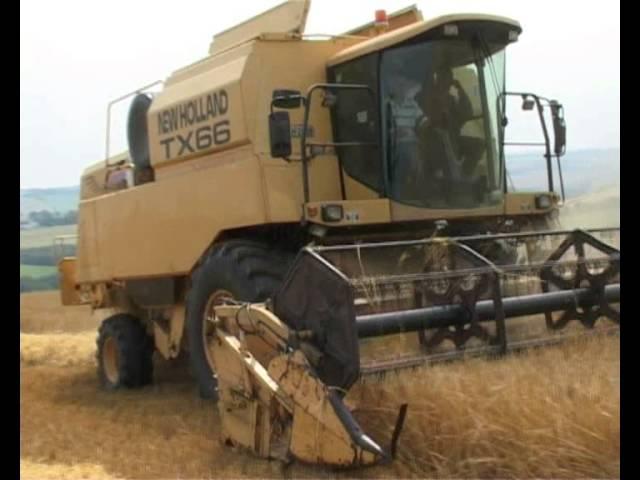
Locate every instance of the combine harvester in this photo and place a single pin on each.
(297, 213)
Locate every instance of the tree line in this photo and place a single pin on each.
(46, 218)
(31, 284)
(42, 256)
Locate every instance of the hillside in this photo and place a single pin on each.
(583, 171)
(60, 199)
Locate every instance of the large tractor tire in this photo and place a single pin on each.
(239, 270)
(125, 353)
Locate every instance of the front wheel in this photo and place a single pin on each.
(125, 353)
(239, 270)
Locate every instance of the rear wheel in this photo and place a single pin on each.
(240, 270)
(125, 352)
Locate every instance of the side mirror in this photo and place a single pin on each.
(287, 99)
(559, 128)
(527, 103)
(280, 134)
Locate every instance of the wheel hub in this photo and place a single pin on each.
(110, 360)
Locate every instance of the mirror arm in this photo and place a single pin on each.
(545, 132)
(305, 124)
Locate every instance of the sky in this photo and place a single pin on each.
(77, 55)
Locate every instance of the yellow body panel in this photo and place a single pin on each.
(181, 127)
(289, 17)
(162, 228)
(281, 183)
(355, 189)
(401, 212)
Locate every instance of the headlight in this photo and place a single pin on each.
(543, 202)
(332, 213)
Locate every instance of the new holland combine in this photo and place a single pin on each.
(298, 212)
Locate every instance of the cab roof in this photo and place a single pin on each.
(405, 33)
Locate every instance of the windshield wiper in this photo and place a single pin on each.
(487, 55)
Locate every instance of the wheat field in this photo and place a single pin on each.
(43, 236)
(551, 413)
